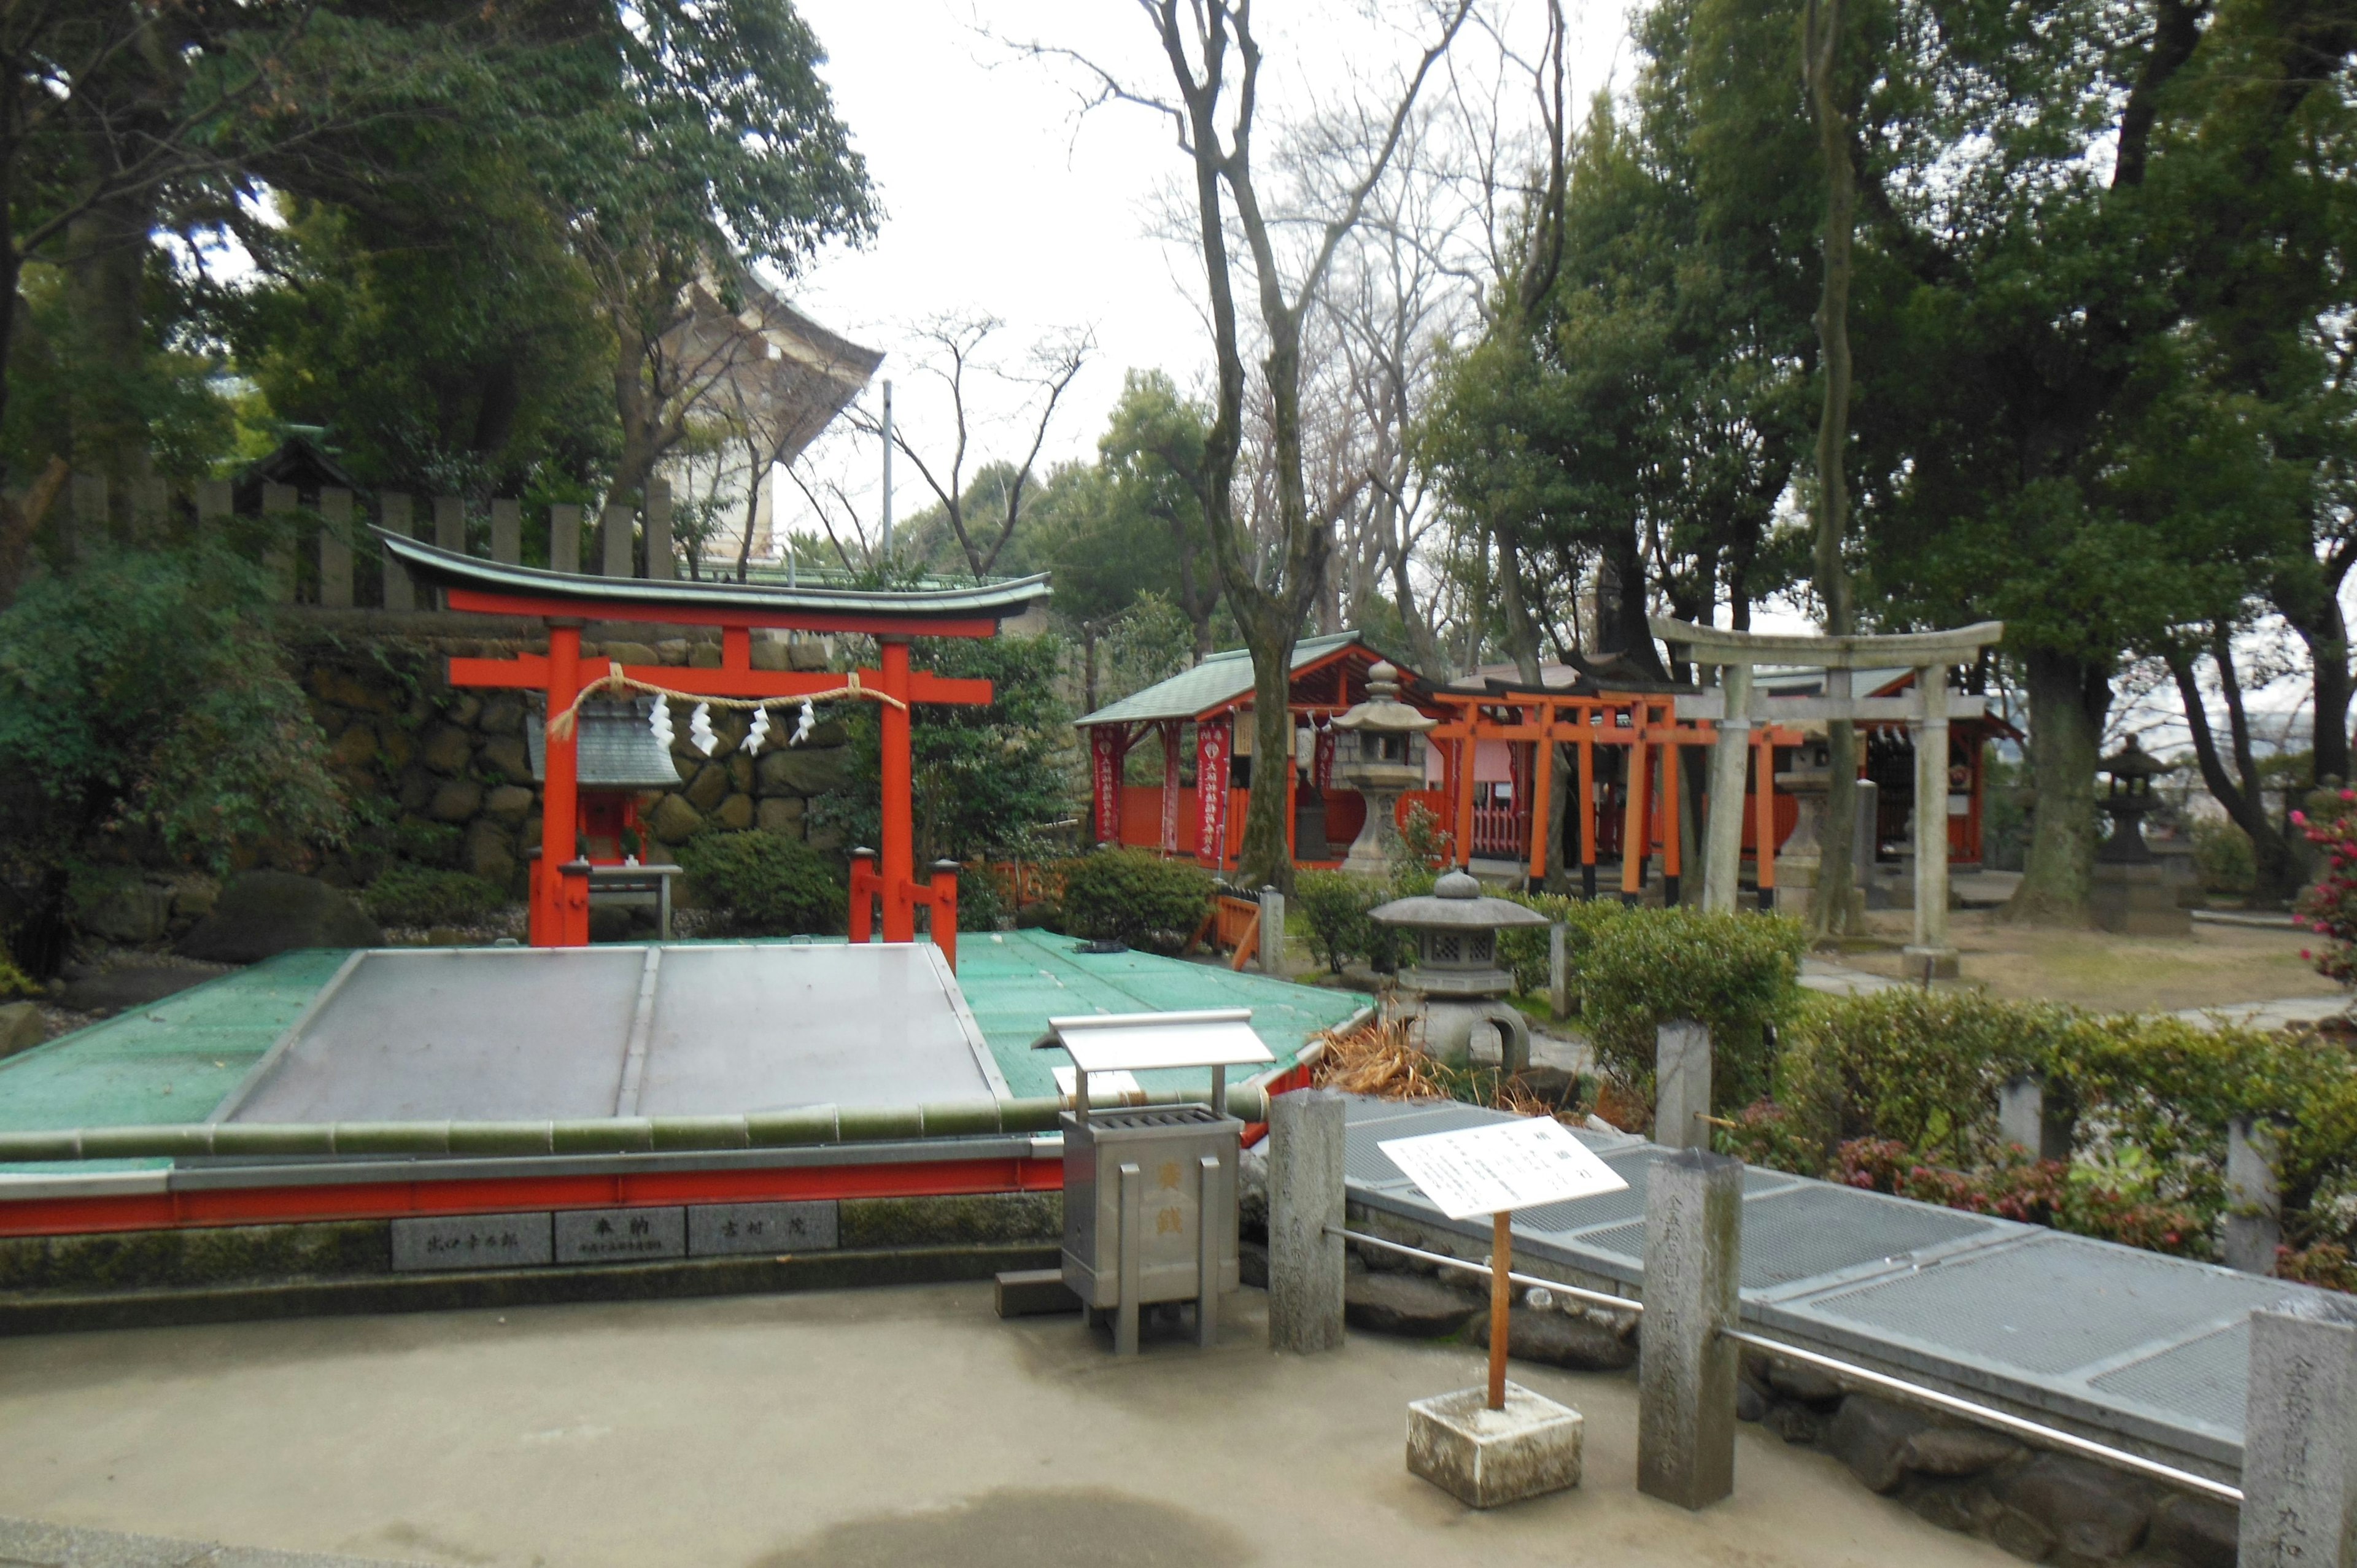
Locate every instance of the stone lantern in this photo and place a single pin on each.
(2130, 889)
(1383, 758)
(1455, 985)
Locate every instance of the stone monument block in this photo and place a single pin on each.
(471, 1242)
(620, 1235)
(1485, 1457)
(721, 1230)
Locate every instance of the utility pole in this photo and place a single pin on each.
(888, 469)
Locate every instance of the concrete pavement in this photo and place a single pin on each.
(877, 1427)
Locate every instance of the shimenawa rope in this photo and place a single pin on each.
(616, 684)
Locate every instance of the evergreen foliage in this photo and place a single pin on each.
(764, 883)
(1136, 897)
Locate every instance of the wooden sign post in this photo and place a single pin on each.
(1494, 1170)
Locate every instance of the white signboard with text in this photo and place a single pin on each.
(1506, 1165)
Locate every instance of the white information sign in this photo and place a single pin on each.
(1506, 1165)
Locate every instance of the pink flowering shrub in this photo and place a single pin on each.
(2330, 906)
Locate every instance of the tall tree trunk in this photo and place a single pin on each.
(2243, 793)
(106, 249)
(2067, 700)
(1521, 631)
(1829, 904)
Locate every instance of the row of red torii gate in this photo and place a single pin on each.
(1633, 766)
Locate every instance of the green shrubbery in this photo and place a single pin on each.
(1336, 904)
(1739, 974)
(1135, 896)
(423, 896)
(764, 883)
(1898, 1091)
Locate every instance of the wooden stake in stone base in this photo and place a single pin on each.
(1499, 1444)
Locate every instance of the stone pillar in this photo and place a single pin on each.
(336, 548)
(392, 515)
(1932, 955)
(2254, 1207)
(1304, 1198)
(615, 538)
(2021, 1113)
(1682, 1084)
(660, 566)
(278, 504)
(1723, 841)
(506, 532)
(564, 538)
(1558, 972)
(2299, 1438)
(1272, 933)
(1686, 1366)
(450, 524)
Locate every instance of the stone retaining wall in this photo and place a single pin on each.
(442, 777)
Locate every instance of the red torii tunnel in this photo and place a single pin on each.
(566, 602)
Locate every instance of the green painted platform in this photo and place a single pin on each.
(173, 1061)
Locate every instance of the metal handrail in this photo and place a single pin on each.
(1634, 1308)
(1998, 1418)
(1985, 1414)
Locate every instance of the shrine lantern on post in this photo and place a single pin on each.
(1381, 755)
(1457, 985)
(2130, 892)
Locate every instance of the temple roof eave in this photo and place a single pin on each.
(449, 569)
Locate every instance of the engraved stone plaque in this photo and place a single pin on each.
(717, 1228)
(620, 1235)
(471, 1242)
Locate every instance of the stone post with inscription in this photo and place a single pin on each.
(1682, 1084)
(1686, 1366)
(1305, 1222)
(2299, 1437)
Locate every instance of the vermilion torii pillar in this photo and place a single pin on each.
(565, 602)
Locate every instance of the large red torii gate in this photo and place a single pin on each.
(565, 602)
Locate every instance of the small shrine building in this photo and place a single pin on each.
(1488, 763)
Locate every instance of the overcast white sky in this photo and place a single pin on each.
(1002, 199)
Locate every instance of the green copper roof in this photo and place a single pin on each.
(449, 569)
(1215, 683)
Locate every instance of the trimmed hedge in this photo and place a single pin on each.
(1135, 896)
(1738, 974)
(764, 883)
(1335, 904)
(1898, 1089)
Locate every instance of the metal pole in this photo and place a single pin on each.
(888, 470)
(1501, 1301)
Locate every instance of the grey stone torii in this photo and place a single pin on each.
(1926, 710)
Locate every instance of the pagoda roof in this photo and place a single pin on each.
(890, 607)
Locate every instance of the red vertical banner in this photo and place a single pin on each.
(1321, 770)
(1212, 742)
(1170, 788)
(1104, 772)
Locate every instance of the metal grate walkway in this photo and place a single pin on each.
(2131, 1347)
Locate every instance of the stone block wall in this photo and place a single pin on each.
(443, 776)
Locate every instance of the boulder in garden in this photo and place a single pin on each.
(262, 913)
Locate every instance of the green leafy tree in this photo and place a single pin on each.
(986, 780)
(143, 700)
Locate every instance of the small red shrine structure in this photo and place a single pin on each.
(1492, 762)
(566, 601)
